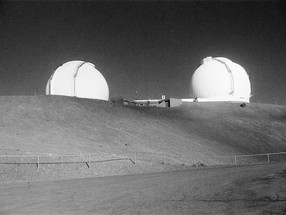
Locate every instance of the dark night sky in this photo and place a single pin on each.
(145, 46)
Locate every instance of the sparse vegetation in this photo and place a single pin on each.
(198, 165)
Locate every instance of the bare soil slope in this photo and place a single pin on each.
(63, 125)
(56, 124)
(257, 189)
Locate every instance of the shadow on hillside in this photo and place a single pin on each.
(280, 117)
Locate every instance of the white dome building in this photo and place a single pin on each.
(220, 79)
(78, 79)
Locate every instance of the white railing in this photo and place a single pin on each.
(135, 157)
(211, 160)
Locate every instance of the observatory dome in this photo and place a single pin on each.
(78, 79)
(220, 79)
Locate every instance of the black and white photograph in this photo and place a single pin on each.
(143, 107)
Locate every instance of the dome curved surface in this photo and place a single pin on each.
(220, 78)
(78, 79)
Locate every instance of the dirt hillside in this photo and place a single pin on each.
(55, 124)
(63, 125)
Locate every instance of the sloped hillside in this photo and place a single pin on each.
(56, 124)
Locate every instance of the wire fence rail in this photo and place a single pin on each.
(156, 158)
(41, 159)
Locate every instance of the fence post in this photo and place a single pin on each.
(135, 157)
(163, 160)
(38, 163)
(235, 162)
(268, 158)
(89, 159)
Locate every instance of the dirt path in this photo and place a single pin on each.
(239, 190)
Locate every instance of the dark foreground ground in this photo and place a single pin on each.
(259, 189)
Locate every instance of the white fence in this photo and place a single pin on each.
(212, 160)
(155, 158)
